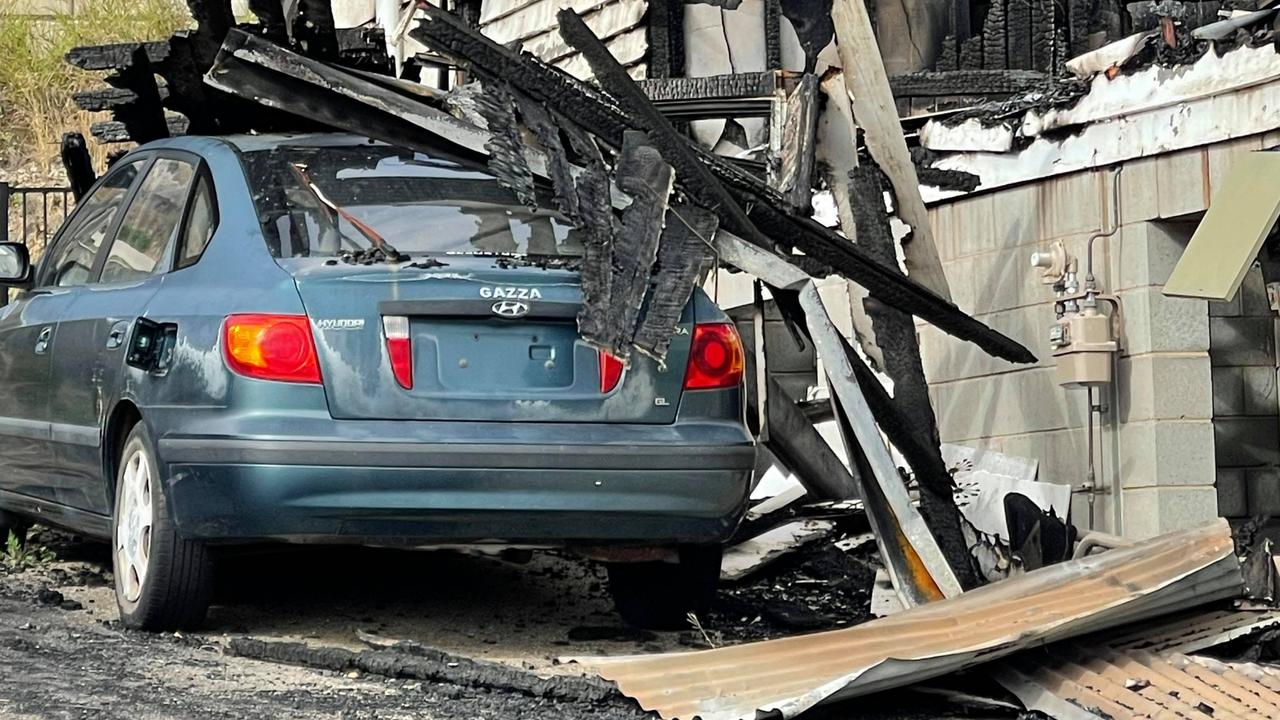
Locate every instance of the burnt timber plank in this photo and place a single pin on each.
(213, 19)
(969, 82)
(875, 114)
(712, 87)
(114, 131)
(824, 252)
(1042, 34)
(144, 118)
(971, 53)
(648, 179)
(802, 450)
(114, 56)
(506, 148)
(682, 250)
(539, 120)
(773, 34)
(598, 224)
(314, 31)
(895, 334)
(666, 38)
(103, 98)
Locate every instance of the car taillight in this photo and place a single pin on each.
(271, 347)
(610, 372)
(716, 359)
(399, 349)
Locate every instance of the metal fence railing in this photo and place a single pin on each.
(33, 215)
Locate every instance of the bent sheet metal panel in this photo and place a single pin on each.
(790, 675)
(1098, 683)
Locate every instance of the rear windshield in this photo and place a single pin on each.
(418, 204)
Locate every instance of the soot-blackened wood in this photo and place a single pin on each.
(599, 115)
(648, 179)
(966, 82)
(103, 99)
(948, 55)
(895, 334)
(773, 34)
(444, 32)
(505, 146)
(144, 118)
(994, 53)
(666, 38)
(684, 247)
(598, 227)
(114, 131)
(77, 163)
(213, 19)
(814, 27)
(271, 19)
(538, 119)
(713, 87)
(313, 29)
(820, 245)
(1018, 25)
(114, 56)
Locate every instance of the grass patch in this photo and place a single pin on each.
(19, 555)
(36, 83)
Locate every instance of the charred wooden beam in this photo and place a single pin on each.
(599, 227)
(77, 163)
(213, 19)
(811, 20)
(271, 19)
(966, 82)
(802, 450)
(445, 33)
(713, 87)
(539, 120)
(1042, 34)
(895, 334)
(144, 118)
(115, 56)
(971, 53)
(114, 131)
(773, 34)
(313, 29)
(823, 250)
(683, 249)
(666, 38)
(1078, 17)
(648, 179)
(103, 99)
(506, 148)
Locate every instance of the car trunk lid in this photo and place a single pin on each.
(490, 339)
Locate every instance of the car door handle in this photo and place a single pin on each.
(42, 340)
(116, 337)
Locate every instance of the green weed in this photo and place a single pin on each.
(19, 555)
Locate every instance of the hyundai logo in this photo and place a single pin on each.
(510, 309)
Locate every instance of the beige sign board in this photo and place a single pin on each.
(1228, 239)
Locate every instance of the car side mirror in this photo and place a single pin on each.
(15, 265)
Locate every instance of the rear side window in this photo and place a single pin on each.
(151, 223)
(71, 261)
(202, 220)
(306, 197)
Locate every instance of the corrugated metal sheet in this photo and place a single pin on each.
(533, 23)
(1196, 632)
(790, 675)
(1102, 683)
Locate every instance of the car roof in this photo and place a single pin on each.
(267, 141)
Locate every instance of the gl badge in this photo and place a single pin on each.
(510, 309)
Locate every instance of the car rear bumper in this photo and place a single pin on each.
(422, 493)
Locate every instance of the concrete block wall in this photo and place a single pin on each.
(1156, 455)
(1246, 427)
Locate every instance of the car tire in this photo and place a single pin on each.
(162, 581)
(13, 523)
(661, 595)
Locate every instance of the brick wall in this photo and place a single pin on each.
(1157, 449)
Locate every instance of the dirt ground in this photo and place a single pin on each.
(359, 633)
